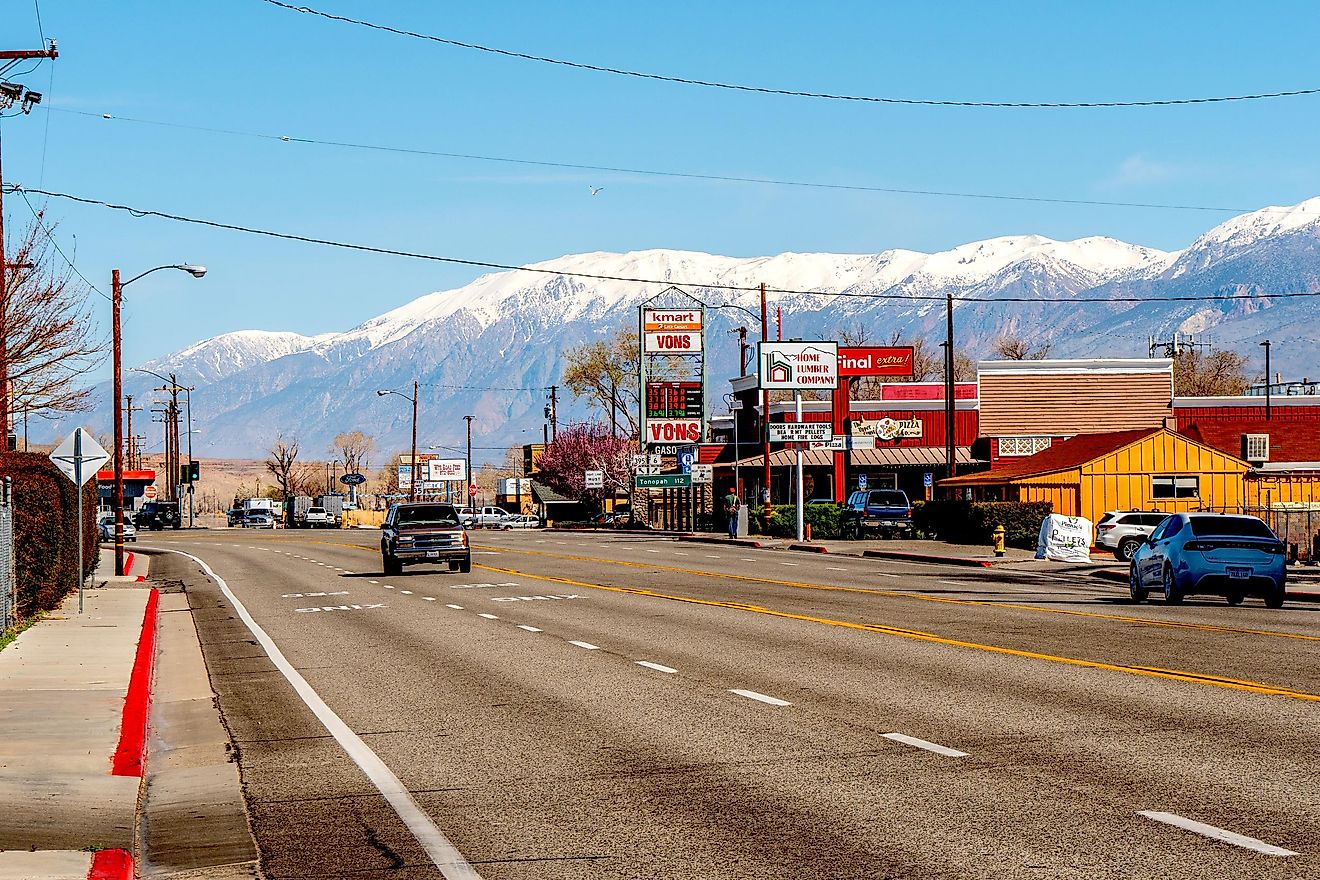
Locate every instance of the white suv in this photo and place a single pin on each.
(1124, 531)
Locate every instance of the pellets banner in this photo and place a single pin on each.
(1064, 538)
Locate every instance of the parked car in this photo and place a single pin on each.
(609, 519)
(258, 519)
(886, 511)
(522, 522)
(422, 532)
(235, 516)
(488, 517)
(1211, 553)
(318, 518)
(158, 515)
(1124, 531)
(465, 515)
(105, 524)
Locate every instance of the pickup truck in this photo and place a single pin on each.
(423, 532)
(886, 511)
(318, 518)
(488, 518)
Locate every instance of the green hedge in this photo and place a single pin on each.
(824, 520)
(45, 508)
(968, 522)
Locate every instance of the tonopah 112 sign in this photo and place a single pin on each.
(671, 331)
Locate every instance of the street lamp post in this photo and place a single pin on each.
(116, 299)
(412, 484)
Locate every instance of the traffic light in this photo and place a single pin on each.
(190, 472)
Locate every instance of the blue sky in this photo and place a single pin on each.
(242, 64)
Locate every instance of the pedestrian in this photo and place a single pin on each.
(731, 513)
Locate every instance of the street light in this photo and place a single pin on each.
(116, 299)
(412, 467)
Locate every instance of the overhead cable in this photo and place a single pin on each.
(793, 93)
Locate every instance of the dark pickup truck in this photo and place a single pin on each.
(420, 533)
(886, 511)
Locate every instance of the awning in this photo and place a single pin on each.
(893, 456)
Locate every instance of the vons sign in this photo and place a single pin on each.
(673, 430)
(671, 331)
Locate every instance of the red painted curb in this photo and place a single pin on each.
(131, 753)
(922, 557)
(809, 548)
(128, 561)
(111, 864)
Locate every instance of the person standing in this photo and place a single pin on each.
(731, 505)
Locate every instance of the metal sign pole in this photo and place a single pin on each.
(801, 513)
(77, 526)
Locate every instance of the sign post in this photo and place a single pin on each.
(79, 457)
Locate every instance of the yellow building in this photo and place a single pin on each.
(1145, 469)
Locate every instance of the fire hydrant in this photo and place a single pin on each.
(999, 540)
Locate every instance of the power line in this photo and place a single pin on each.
(793, 93)
(666, 282)
(647, 172)
(50, 236)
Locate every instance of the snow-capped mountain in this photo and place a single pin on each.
(473, 348)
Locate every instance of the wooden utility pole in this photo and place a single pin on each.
(950, 387)
(554, 413)
(129, 408)
(765, 410)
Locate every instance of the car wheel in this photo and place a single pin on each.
(1274, 598)
(1137, 591)
(390, 564)
(465, 566)
(1127, 548)
(1172, 594)
(1235, 597)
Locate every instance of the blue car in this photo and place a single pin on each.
(1215, 553)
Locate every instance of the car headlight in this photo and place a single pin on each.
(405, 539)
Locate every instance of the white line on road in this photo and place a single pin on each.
(530, 629)
(656, 666)
(455, 607)
(834, 568)
(373, 582)
(444, 855)
(488, 616)
(747, 559)
(883, 574)
(709, 556)
(753, 695)
(680, 554)
(788, 563)
(429, 598)
(649, 550)
(923, 744)
(406, 592)
(588, 645)
(1214, 833)
(387, 586)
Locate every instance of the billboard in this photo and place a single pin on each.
(800, 432)
(855, 360)
(795, 366)
(405, 478)
(673, 430)
(671, 331)
(673, 400)
(441, 470)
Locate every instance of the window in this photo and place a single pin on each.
(1256, 447)
(1226, 526)
(1020, 446)
(1175, 487)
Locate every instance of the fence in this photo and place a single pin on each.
(8, 573)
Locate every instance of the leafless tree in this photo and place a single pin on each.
(352, 448)
(283, 465)
(1015, 348)
(51, 337)
(1216, 373)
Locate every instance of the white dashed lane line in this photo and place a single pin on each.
(923, 744)
(406, 592)
(373, 582)
(530, 629)
(1214, 833)
(788, 563)
(760, 698)
(656, 666)
(835, 568)
(429, 598)
(488, 616)
(455, 607)
(587, 645)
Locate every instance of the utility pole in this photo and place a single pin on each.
(10, 94)
(469, 419)
(742, 351)
(554, 414)
(1266, 344)
(949, 389)
(765, 412)
(416, 471)
(130, 409)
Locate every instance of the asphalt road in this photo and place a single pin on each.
(599, 706)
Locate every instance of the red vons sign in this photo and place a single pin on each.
(875, 361)
(673, 430)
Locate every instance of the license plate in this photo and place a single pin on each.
(432, 554)
(1239, 572)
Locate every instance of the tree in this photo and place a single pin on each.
(585, 447)
(49, 331)
(1015, 348)
(352, 448)
(1218, 373)
(605, 373)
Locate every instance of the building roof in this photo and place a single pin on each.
(1060, 456)
(1290, 441)
(890, 456)
(1077, 366)
(1246, 401)
(543, 494)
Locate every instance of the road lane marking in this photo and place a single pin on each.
(933, 638)
(443, 854)
(588, 645)
(312, 595)
(488, 616)
(924, 744)
(455, 607)
(708, 556)
(338, 608)
(429, 598)
(761, 698)
(373, 582)
(1214, 833)
(656, 666)
(835, 568)
(406, 592)
(788, 563)
(530, 629)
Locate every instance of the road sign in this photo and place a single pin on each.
(352, 479)
(664, 481)
(686, 459)
(928, 480)
(703, 474)
(861, 481)
(798, 365)
(472, 491)
(150, 492)
(800, 432)
(593, 479)
(79, 456)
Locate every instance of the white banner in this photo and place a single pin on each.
(1064, 538)
(801, 432)
(439, 470)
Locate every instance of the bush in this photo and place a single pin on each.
(45, 508)
(824, 520)
(967, 522)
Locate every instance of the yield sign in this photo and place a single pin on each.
(79, 456)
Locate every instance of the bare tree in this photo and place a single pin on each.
(49, 329)
(352, 448)
(283, 465)
(1015, 348)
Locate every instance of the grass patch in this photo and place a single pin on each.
(8, 637)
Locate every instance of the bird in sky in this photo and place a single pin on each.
(595, 190)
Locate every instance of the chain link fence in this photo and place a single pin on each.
(8, 574)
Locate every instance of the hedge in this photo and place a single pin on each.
(968, 522)
(824, 520)
(45, 508)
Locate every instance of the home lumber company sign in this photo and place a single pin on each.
(798, 365)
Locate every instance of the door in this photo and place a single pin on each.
(1152, 569)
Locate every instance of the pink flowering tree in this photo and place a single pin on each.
(581, 448)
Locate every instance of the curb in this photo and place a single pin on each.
(809, 548)
(727, 542)
(131, 753)
(111, 864)
(923, 557)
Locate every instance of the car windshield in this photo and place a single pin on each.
(889, 499)
(1229, 526)
(428, 514)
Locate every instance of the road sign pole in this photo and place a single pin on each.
(801, 513)
(77, 526)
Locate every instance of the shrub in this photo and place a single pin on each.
(967, 522)
(45, 508)
(824, 520)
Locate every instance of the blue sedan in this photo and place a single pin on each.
(1215, 553)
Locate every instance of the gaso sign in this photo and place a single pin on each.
(671, 331)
